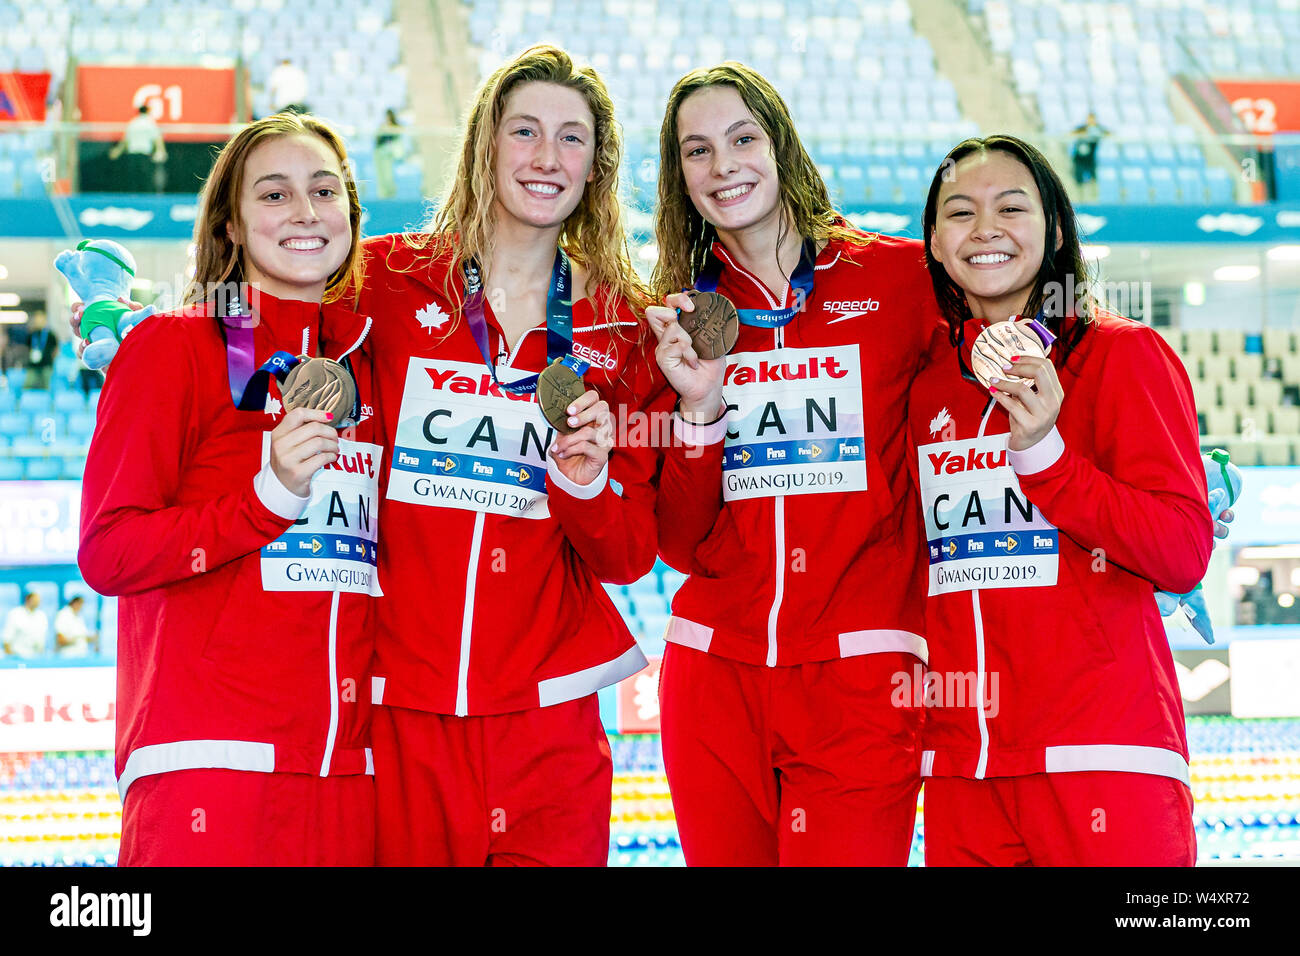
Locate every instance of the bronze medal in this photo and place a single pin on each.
(558, 387)
(994, 347)
(713, 327)
(322, 384)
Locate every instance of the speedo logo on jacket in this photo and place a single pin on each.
(468, 385)
(766, 371)
(945, 462)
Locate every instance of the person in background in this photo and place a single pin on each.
(143, 145)
(41, 348)
(26, 628)
(1084, 151)
(71, 636)
(287, 86)
(388, 150)
(7, 360)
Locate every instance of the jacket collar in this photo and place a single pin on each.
(341, 330)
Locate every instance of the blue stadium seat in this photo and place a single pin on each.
(8, 179)
(68, 400)
(1163, 188)
(1107, 185)
(34, 400)
(1220, 185)
(1191, 185)
(29, 446)
(14, 424)
(1134, 180)
(42, 469)
(879, 184)
(80, 427)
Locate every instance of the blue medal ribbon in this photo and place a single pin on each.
(801, 282)
(559, 324)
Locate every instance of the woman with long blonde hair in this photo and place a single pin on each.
(496, 633)
(786, 738)
(241, 736)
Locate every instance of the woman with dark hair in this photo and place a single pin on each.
(1060, 479)
(789, 506)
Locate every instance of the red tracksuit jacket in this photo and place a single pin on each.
(492, 561)
(814, 557)
(243, 641)
(1043, 562)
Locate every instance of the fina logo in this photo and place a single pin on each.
(316, 545)
(1010, 543)
(1090, 224)
(524, 475)
(880, 221)
(951, 548)
(1237, 223)
(117, 217)
(448, 464)
(743, 455)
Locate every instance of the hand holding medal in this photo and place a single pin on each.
(1025, 382)
(586, 430)
(304, 442)
(694, 372)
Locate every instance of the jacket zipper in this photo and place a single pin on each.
(467, 619)
(980, 678)
(778, 540)
(778, 501)
(334, 686)
(471, 576)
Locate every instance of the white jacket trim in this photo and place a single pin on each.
(856, 643)
(1117, 757)
(689, 634)
(196, 755)
(583, 683)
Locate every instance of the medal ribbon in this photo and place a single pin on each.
(559, 324)
(801, 282)
(249, 387)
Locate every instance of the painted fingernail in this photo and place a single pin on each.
(1006, 368)
(573, 421)
(571, 410)
(993, 391)
(329, 416)
(994, 381)
(1014, 357)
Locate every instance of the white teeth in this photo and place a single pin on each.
(733, 192)
(303, 245)
(989, 258)
(542, 189)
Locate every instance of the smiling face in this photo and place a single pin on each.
(545, 147)
(295, 229)
(727, 162)
(989, 232)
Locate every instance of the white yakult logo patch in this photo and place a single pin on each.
(980, 528)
